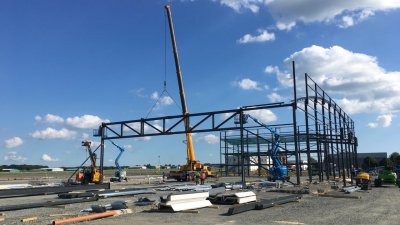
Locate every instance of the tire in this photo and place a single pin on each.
(378, 182)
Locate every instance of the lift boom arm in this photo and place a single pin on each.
(275, 145)
(119, 155)
(92, 155)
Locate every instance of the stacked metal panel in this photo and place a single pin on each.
(180, 202)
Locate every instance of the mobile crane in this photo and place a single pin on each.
(120, 174)
(192, 164)
(89, 174)
(278, 171)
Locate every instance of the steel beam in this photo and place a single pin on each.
(20, 192)
(46, 204)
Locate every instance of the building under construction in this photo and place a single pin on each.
(319, 138)
(318, 141)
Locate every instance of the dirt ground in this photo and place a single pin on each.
(376, 206)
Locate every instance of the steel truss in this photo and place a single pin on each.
(328, 133)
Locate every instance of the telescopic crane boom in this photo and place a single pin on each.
(192, 163)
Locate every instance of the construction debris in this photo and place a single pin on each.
(267, 203)
(186, 188)
(338, 196)
(147, 201)
(2, 216)
(233, 197)
(20, 192)
(292, 191)
(263, 204)
(242, 208)
(102, 208)
(351, 189)
(124, 193)
(244, 197)
(170, 210)
(30, 219)
(180, 202)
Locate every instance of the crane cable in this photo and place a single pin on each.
(164, 92)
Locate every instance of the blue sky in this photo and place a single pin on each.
(66, 66)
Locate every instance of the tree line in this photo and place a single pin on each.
(22, 167)
(389, 163)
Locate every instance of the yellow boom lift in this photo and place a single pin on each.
(192, 164)
(89, 174)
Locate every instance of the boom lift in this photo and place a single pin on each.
(192, 164)
(89, 174)
(120, 174)
(278, 171)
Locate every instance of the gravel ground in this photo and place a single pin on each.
(376, 206)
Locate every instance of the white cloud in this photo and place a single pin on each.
(381, 121)
(210, 139)
(355, 79)
(51, 133)
(248, 84)
(238, 5)
(287, 13)
(226, 115)
(348, 21)
(308, 11)
(13, 142)
(161, 101)
(264, 115)
(13, 156)
(95, 144)
(147, 130)
(263, 36)
(85, 121)
(47, 158)
(49, 119)
(85, 136)
(285, 26)
(283, 77)
(275, 97)
(147, 138)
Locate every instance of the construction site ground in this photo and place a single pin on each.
(376, 206)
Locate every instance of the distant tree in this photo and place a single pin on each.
(395, 158)
(369, 162)
(22, 167)
(387, 163)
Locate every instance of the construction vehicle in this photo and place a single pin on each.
(386, 176)
(120, 174)
(192, 164)
(89, 174)
(278, 171)
(363, 180)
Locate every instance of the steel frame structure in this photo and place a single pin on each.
(328, 132)
(326, 142)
